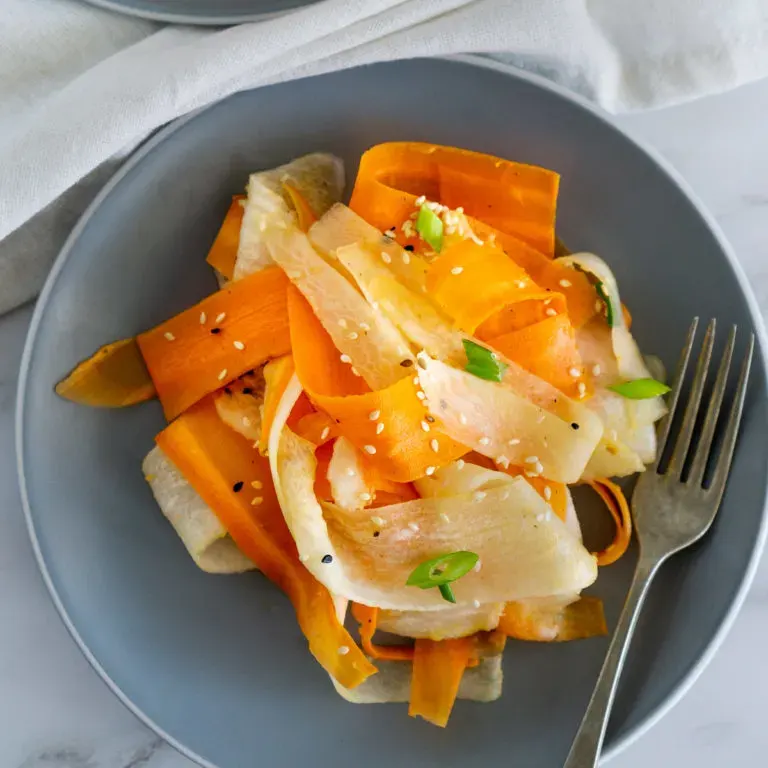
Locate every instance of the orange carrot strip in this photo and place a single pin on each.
(556, 497)
(323, 455)
(111, 378)
(368, 617)
(402, 450)
(187, 361)
(304, 210)
(617, 505)
(221, 466)
(472, 282)
(579, 620)
(223, 253)
(313, 426)
(547, 349)
(515, 198)
(277, 376)
(438, 666)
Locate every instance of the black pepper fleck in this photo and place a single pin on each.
(327, 559)
(376, 534)
(215, 331)
(408, 248)
(406, 363)
(238, 486)
(247, 391)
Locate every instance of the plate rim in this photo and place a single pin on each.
(169, 17)
(684, 685)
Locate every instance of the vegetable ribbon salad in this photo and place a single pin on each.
(383, 409)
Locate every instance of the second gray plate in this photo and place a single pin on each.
(218, 664)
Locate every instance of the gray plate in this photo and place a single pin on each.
(212, 12)
(217, 664)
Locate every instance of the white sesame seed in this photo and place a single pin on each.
(421, 200)
(503, 461)
(547, 515)
(478, 566)
(203, 318)
(365, 496)
(324, 434)
(223, 375)
(462, 418)
(429, 471)
(434, 445)
(460, 464)
(353, 336)
(379, 427)
(374, 415)
(342, 322)
(355, 372)
(256, 500)
(476, 603)
(256, 484)
(421, 395)
(547, 492)
(386, 258)
(531, 459)
(539, 468)
(582, 389)
(596, 370)
(529, 473)
(406, 257)
(445, 517)
(457, 270)
(345, 359)
(513, 441)
(566, 283)
(416, 380)
(351, 472)
(575, 372)
(364, 326)
(246, 421)
(376, 520)
(475, 239)
(520, 283)
(478, 495)
(304, 558)
(551, 312)
(220, 317)
(238, 345)
(547, 302)
(343, 650)
(414, 527)
(371, 449)
(168, 335)
(484, 440)
(425, 426)
(541, 417)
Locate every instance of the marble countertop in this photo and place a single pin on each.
(56, 713)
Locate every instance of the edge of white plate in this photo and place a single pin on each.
(191, 18)
(682, 687)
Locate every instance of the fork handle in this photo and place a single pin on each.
(585, 750)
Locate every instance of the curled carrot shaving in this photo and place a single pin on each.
(554, 624)
(316, 427)
(277, 375)
(304, 210)
(617, 505)
(368, 618)
(223, 253)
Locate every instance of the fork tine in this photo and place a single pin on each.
(674, 395)
(732, 430)
(683, 441)
(701, 455)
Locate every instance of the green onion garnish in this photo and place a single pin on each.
(602, 293)
(442, 570)
(481, 362)
(640, 389)
(430, 226)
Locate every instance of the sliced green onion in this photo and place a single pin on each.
(430, 226)
(447, 592)
(440, 571)
(640, 389)
(481, 362)
(609, 311)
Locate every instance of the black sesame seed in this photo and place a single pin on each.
(408, 248)
(430, 418)
(327, 559)
(406, 363)
(376, 534)
(215, 331)
(238, 486)
(574, 425)
(247, 391)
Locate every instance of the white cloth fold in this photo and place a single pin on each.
(80, 87)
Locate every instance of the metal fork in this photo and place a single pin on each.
(671, 511)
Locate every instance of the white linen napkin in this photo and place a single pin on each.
(80, 87)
